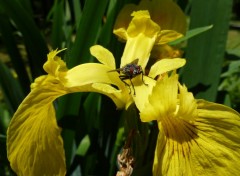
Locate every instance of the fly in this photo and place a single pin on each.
(130, 71)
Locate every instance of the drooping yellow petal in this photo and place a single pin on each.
(162, 101)
(34, 143)
(207, 146)
(165, 65)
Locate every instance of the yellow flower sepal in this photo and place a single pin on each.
(196, 137)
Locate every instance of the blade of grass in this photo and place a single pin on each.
(57, 35)
(205, 52)
(87, 33)
(77, 12)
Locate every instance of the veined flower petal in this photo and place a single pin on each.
(208, 146)
(34, 143)
(198, 138)
(165, 65)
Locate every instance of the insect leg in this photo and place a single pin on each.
(123, 77)
(143, 80)
(134, 93)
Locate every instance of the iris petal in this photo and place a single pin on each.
(207, 146)
(165, 65)
(137, 48)
(34, 143)
(162, 101)
(103, 55)
(143, 91)
(86, 74)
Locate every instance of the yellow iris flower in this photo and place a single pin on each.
(33, 132)
(196, 137)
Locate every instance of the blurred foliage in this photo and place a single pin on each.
(94, 135)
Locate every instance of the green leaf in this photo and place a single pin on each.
(84, 146)
(87, 33)
(205, 52)
(5, 118)
(57, 34)
(191, 33)
(77, 12)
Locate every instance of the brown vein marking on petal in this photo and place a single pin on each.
(180, 135)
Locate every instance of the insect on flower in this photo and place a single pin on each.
(130, 71)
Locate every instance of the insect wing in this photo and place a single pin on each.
(134, 61)
(116, 70)
(121, 69)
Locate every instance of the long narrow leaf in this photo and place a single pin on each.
(57, 27)
(87, 32)
(191, 33)
(205, 52)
